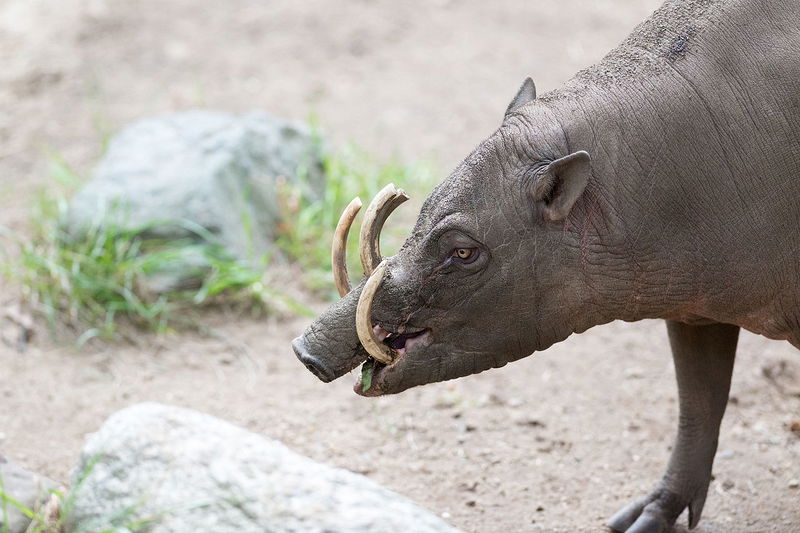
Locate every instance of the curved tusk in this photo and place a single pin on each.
(366, 333)
(378, 211)
(339, 246)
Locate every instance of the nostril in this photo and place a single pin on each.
(314, 365)
(315, 368)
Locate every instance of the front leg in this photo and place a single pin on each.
(703, 357)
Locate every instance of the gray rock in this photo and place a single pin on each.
(215, 170)
(27, 488)
(191, 472)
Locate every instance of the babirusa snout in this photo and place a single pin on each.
(339, 249)
(378, 211)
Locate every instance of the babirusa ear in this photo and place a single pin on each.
(562, 183)
(526, 93)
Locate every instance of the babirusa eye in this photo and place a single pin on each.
(458, 248)
(464, 254)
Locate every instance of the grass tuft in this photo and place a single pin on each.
(124, 521)
(98, 284)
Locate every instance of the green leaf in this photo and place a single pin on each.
(366, 375)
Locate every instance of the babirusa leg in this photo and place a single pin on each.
(703, 357)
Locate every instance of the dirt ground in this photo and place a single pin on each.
(555, 442)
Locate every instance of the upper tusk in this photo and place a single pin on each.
(377, 212)
(366, 333)
(339, 247)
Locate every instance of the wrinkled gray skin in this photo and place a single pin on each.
(685, 208)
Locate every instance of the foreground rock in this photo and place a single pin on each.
(191, 472)
(215, 170)
(29, 489)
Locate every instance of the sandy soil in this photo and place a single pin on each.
(555, 442)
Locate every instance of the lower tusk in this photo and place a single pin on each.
(366, 333)
(377, 212)
(339, 247)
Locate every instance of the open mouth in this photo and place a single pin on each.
(399, 342)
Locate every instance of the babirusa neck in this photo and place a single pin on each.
(632, 268)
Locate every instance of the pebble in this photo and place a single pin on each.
(470, 487)
(794, 483)
(531, 422)
(633, 373)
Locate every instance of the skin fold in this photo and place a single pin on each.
(662, 182)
